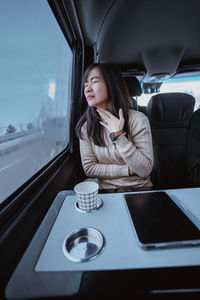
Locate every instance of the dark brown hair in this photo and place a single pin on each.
(119, 96)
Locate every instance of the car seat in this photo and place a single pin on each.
(169, 115)
(135, 91)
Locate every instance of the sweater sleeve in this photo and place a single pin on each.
(137, 151)
(91, 165)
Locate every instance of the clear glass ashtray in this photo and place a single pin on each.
(83, 245)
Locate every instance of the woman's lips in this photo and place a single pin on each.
(90, 97)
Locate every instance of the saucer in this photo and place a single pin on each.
(99, 204)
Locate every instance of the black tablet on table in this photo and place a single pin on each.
(159, 222)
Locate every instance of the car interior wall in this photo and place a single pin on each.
(19, 233)
(23, 222)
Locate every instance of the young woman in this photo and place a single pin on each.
(115, 142)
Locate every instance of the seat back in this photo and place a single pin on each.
(169, 115)
(135, 91)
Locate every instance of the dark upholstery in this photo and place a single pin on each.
(134, 86)
(169, 115)
(134, 89)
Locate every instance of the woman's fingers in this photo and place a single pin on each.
(103, 124)
(104, 118)
(105, 112)
(121, 116)
(104, 115)
(110, 122)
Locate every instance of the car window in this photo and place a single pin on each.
(35, 76)
(189, 85)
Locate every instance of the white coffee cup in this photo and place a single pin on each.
(86, 193)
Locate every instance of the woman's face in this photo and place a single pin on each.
(96, 91)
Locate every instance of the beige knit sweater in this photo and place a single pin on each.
(110, 164)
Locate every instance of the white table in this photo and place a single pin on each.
(121, 249)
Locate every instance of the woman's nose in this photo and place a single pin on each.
(88, 88)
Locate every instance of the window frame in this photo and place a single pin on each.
(13, 208)
(23, 211)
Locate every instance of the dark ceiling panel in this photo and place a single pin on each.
(91, 14)
(127, 32)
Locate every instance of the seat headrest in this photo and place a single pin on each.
(170, 107)
(133, 86)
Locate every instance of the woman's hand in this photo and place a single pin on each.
(110, 122)
(131, 172)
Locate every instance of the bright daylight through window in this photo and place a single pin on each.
(188, 85)
(35, 78)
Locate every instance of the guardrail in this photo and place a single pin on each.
(17, 141)
(11, 136)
